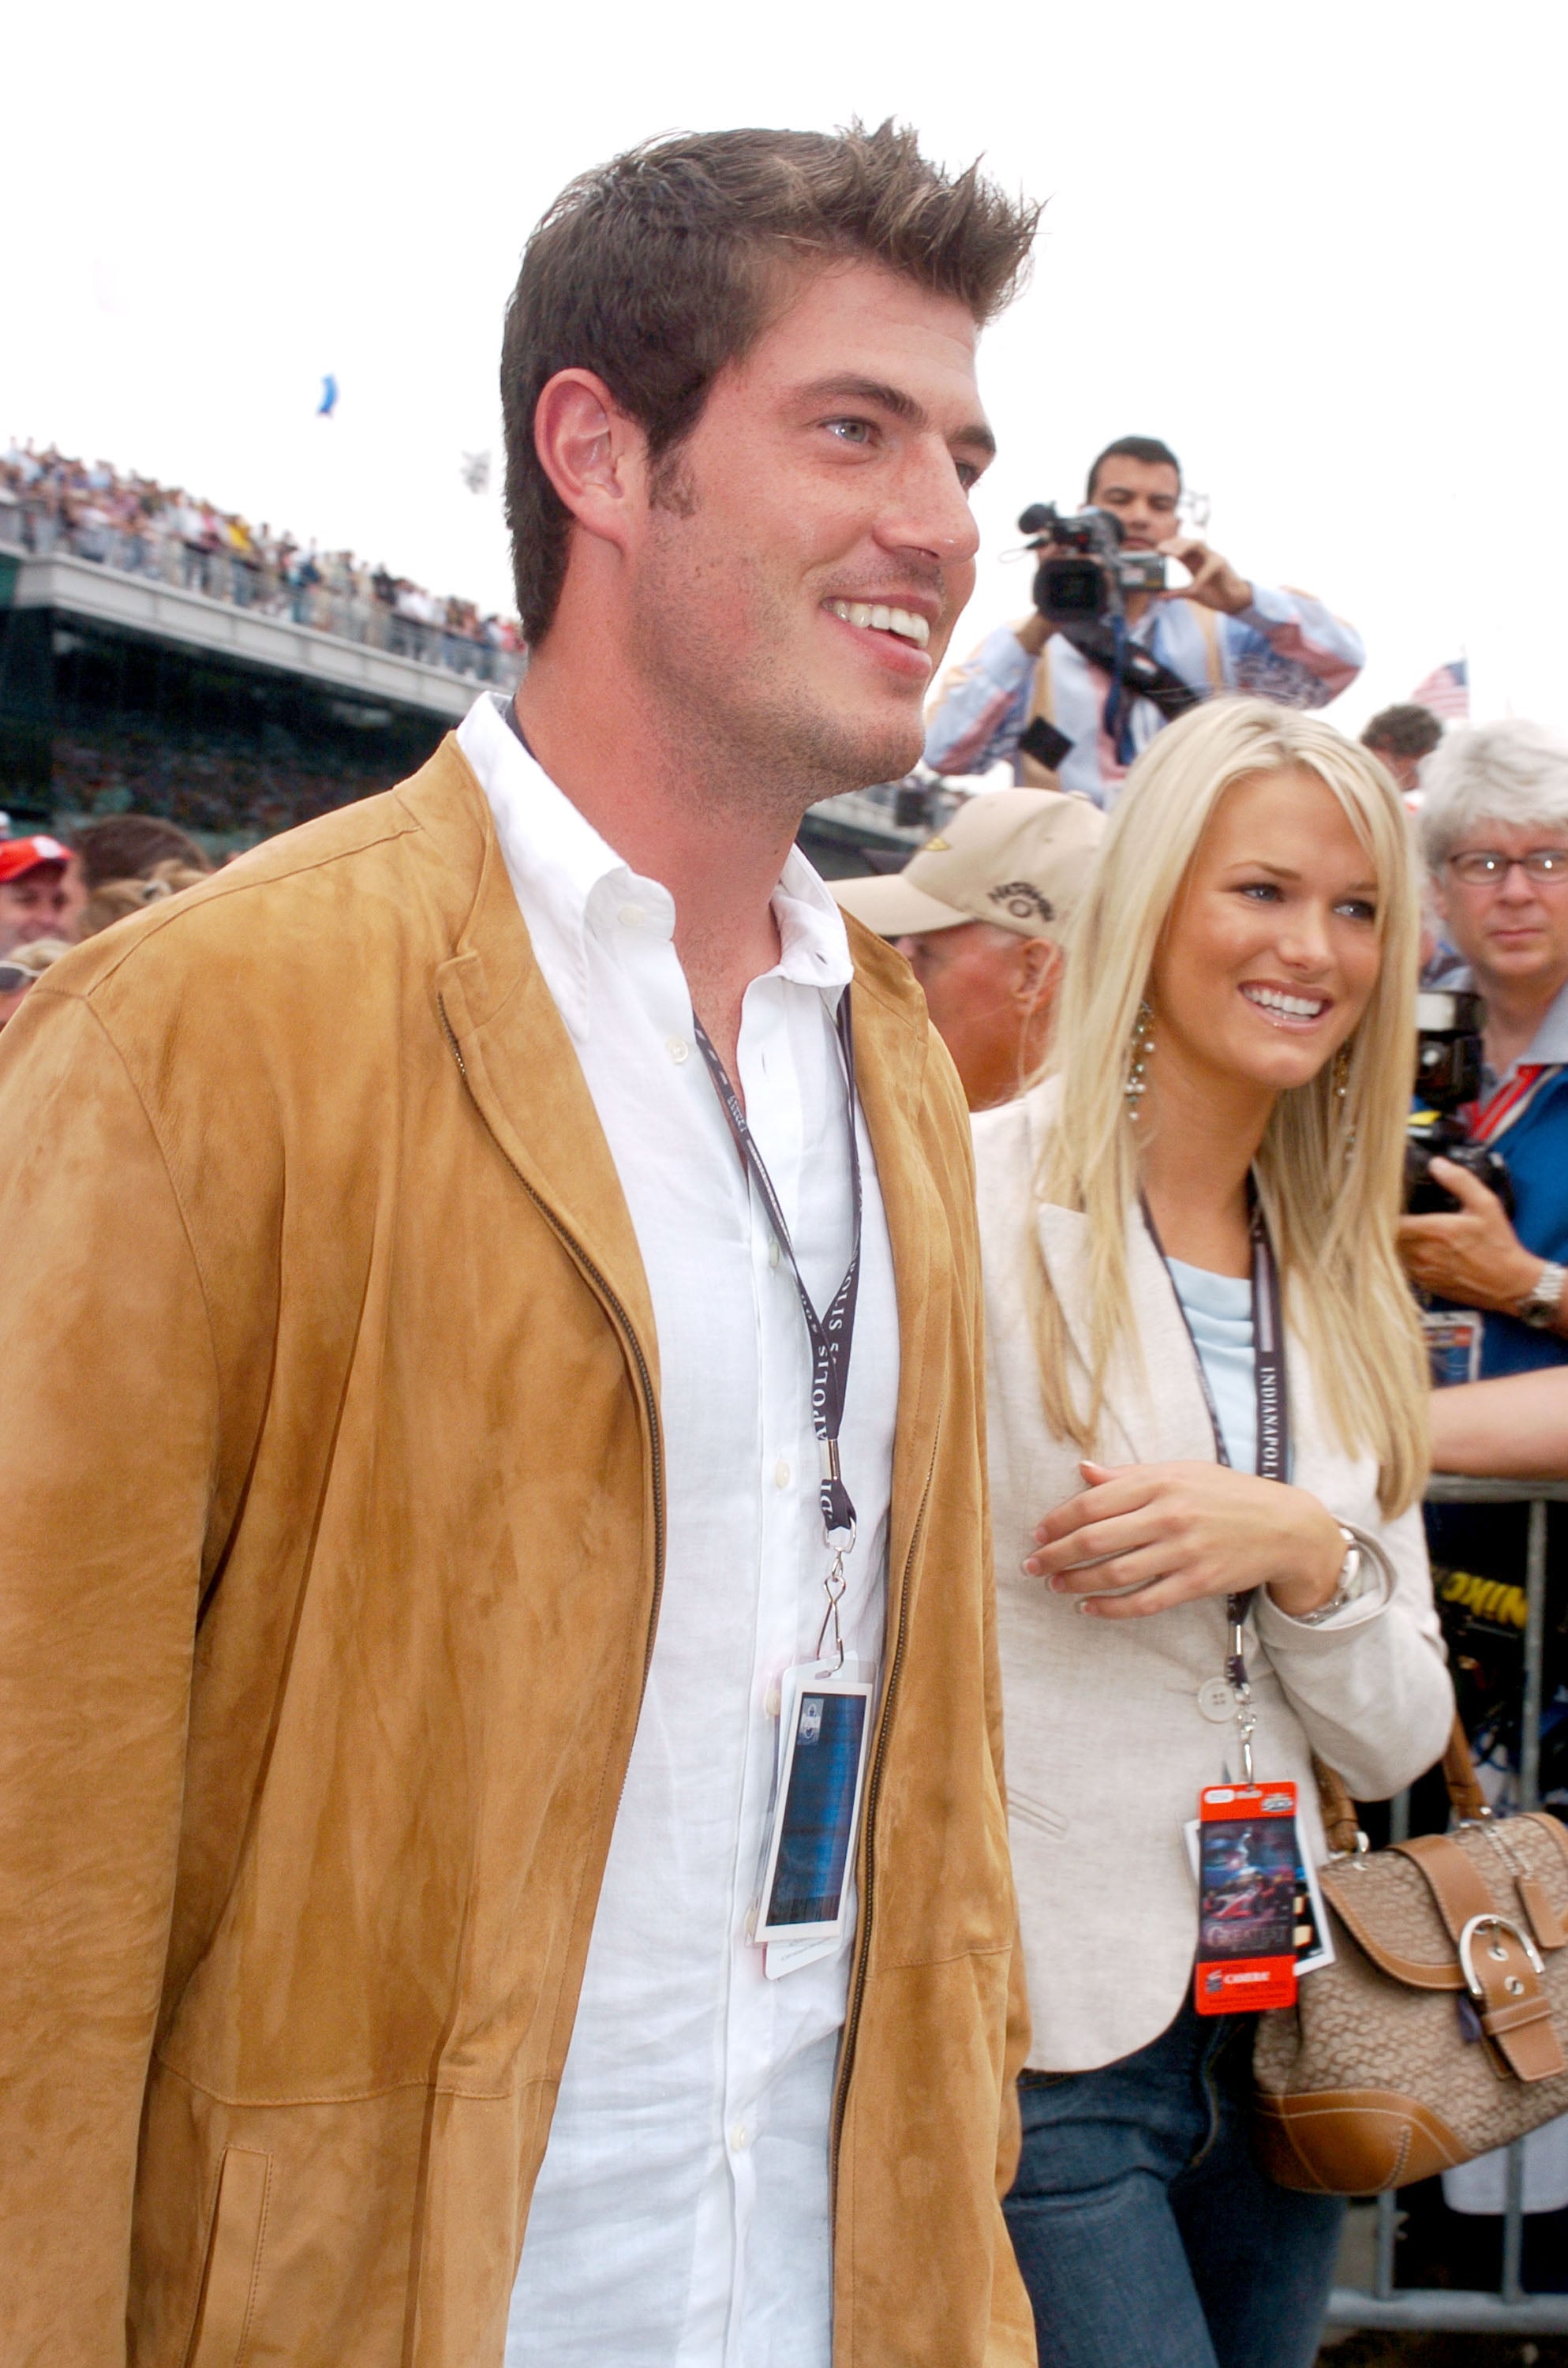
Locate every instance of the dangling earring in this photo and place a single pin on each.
(1142, 1052)
(1342, 1098)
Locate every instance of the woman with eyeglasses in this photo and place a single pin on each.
(1207, 1404)
(1494, 828)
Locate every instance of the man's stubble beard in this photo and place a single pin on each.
(765, 746)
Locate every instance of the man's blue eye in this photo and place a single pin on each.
(849, 428)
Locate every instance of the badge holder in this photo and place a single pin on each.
(1454, 1337)
(825, 1729)
(1312, 1933)
(1246, 1898)
(825, 1732)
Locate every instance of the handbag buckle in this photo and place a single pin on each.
(1477, 1924)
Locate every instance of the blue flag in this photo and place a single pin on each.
(328, 403)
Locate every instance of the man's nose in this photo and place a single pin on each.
(1517, 884)
(931, 512)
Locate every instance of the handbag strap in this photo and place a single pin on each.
(1339, 1811)
(1501, 1970)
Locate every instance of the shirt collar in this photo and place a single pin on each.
(1549, 1045)
(1547, 1049)
(566, 877)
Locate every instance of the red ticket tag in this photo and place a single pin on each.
(1246, 1898)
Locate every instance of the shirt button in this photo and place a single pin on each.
(740, 2137)
(631, 916)
(1217, 1699)
(781, 1473)
(678, 1048)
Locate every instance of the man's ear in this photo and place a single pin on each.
(1436, 897)
(593, 454)
(1037, 971)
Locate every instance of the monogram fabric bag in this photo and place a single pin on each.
(1440, 2030)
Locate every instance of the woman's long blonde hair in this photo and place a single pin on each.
(1331, 1216)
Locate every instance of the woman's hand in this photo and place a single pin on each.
(1177, 1531)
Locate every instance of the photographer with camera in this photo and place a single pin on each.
(1493, 828)
(1110, 657)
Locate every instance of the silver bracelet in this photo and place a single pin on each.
(1352, 1583)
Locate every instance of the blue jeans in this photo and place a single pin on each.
(1146, 2234)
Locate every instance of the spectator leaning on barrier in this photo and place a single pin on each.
(1219, 632)
(1494, 828)
(979, 913)
(1402, 737)
(415, 1499)
(37, 898)
(1514, 1427)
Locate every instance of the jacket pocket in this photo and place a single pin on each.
(234, 2260)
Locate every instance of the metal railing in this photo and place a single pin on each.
(159, 554)
(1511, 2309)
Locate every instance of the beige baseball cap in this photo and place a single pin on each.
(1017, 858)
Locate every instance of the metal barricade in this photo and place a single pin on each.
(1511, 2309)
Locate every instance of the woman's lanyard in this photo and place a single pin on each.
(1273, 1460)
(832, 1335)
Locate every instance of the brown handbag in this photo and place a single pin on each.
(1439, 2030)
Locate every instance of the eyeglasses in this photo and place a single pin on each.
(1543, 867)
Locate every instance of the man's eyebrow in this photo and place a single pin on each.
(893, 399)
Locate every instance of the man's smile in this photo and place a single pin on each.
(881, 619)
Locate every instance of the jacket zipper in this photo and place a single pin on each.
(645, 1378)
(873, 1794)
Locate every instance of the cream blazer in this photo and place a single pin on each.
(1111, 1730)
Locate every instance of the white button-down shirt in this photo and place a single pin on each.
(681, 2216)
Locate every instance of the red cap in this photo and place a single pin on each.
(18, 855)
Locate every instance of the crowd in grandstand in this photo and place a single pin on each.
(51, 503)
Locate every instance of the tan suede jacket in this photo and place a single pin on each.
(330, 1559)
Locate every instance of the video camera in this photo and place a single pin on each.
(1447, 1075)
(1085, 576)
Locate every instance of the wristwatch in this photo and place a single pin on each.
(1352, 1583)
(1540, 1305)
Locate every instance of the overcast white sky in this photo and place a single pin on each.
(1317, 249)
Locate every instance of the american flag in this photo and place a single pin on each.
(1446, 692)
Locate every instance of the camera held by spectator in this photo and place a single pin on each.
(1448, 1077)
(1086, 573)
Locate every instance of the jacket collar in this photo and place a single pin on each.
(1161, 1410)
(526, 1078)
(1157, 1402)
(516, 1055)
(892, 1044)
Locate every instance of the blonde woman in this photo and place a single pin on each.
(1219, 1145)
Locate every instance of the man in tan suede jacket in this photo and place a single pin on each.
(412, 1430)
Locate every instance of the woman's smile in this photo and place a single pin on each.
(1295, 1009)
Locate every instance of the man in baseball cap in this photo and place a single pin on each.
(979, 912)
(36, 897)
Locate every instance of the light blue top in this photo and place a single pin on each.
(1218, 1308)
